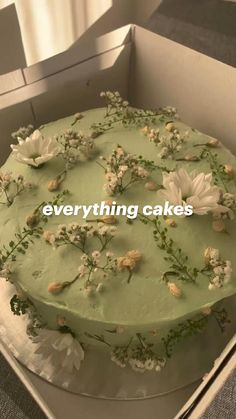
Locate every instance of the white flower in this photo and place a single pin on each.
(149, 364)
(183, 188)
(96, 255)
(35, 150)
(61, 349)
(82, 270)
(137, 365)
(118, 361)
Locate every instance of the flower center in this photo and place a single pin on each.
(34, 156)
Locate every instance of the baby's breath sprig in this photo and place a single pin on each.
(192, 327)
(119, 111)
(75, 145)
(94, 267)
(23, 132)
(11, 187)
(169, 142)
(77, 235)
(218, 270)
(122, 170)
(141, 355)
(178, 261)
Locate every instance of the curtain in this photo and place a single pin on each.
(52, 26)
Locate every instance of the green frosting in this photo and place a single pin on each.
(144, 304)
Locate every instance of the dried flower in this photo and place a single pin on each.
(228, 169)
(125, 262)
(170, 222)
(89, 291)
(55, 287)
(207, 311)
(129, 261)
(109, 219)
(151, 186)
(170, 126)
(134, 254)
(219, 226)
(53, 185)
(213, 142)
(145, 130)
(49, 236)
(211, 253)
(174, 289)
(61, 321)
(32, 220)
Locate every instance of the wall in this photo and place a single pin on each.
(49, 27)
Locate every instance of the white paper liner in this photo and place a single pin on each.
(99, 376)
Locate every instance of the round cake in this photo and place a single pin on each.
(92, 242)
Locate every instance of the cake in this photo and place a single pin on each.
(133, 285)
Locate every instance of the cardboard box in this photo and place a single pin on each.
(150, 71)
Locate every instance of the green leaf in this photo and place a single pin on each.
(18, 306)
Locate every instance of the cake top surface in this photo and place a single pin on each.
(136, 294)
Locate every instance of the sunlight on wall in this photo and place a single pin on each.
(49, 27)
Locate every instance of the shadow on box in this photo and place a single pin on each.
(68, 97)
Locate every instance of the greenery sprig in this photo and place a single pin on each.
(28, 234)
(192, 327)
(18, 305)
(178, 261)
(221, 178)
(142, 354)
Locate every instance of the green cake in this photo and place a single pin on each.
(133, 284)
